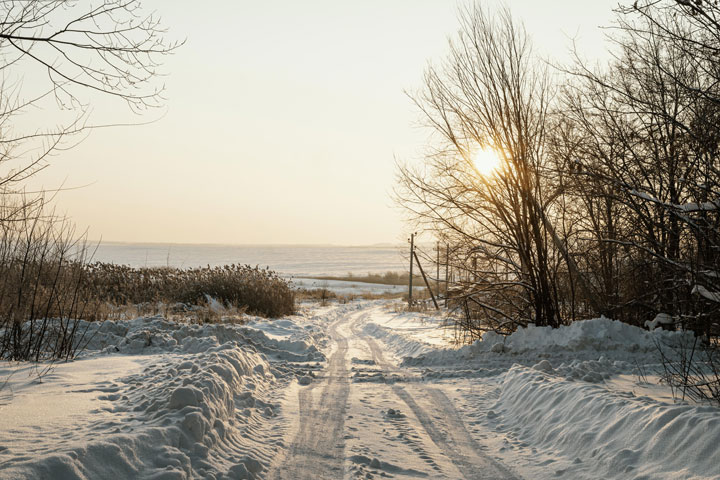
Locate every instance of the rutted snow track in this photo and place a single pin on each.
(317, 450)
(445, 427)
(430, 440)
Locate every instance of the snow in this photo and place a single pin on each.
(598, 334)
(659, 320)
(409, 334)
(570, 403)
(618, 435)
(689, 207)
(153, 399)
(356, 390)
(23, 400)
(705, 293)
(699, 207)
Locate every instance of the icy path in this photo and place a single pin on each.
(343, 431)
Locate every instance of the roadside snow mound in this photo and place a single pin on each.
(581, 341)
(401, 345)
(600, 334)
(157, 335)
(615, 435)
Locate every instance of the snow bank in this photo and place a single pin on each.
(553, 391)
(157, 335)
(198, 409)
(399, 343)
(616, 436)
(584, 340)
(599, 334)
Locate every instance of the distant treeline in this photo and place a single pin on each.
(387, 278)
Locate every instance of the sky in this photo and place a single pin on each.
(283, 121)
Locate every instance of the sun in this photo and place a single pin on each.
(486, 160)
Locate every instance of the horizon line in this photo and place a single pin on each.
(101, 242)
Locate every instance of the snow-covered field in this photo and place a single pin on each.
(360, 390)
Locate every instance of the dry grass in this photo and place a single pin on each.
(256, 290)
(387, 278)
(200, 313)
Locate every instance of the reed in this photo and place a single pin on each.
(259, 291)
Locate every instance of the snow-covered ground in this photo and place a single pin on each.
(156, 399)
(359, 390)
(567, 403)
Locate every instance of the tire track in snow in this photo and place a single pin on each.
(445, 427)
(317, 451)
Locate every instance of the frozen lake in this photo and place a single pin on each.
(289, 260)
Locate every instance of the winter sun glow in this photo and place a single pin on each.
(486, 160)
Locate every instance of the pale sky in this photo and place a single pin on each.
(282, 122)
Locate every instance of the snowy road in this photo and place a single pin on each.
(348, 391)
(431, 440)
(317, 450)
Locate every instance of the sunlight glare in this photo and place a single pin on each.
(486, 160)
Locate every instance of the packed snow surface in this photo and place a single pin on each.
(356, 390)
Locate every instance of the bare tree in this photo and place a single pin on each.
(691, 26)
(490, 92)
(111, 46)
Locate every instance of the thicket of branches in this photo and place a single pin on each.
(42, 284)
(607, 198)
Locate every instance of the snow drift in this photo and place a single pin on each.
(616, 435)
(198, 407)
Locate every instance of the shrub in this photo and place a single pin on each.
(692, 369)
(42, 283)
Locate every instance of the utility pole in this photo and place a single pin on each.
(412, 254)
(437, 269)
(447, 272)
